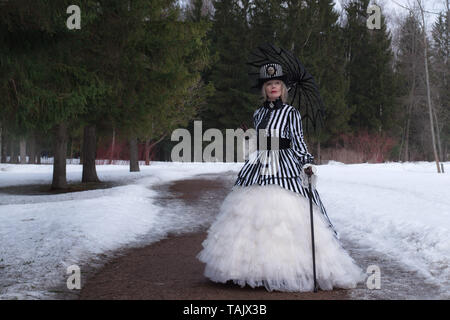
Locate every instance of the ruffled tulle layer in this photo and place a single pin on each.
(262, 237)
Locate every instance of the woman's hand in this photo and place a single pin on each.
(309, 169)
(309, 175)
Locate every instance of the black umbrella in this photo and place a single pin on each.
(303, 90)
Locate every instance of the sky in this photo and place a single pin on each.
(432, 5)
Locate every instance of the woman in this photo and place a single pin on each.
(262, 234)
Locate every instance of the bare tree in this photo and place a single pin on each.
(427, 77)
(430, 108)
(440, 67)
(408, 60)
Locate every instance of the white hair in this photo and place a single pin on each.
(284, 92)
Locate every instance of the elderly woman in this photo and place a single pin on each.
(262, 234)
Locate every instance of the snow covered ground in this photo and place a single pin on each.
(41, 235)
(400, 210)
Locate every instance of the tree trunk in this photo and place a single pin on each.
(134, 163)
(71, 150)
(14, 158)
(147, 152)
(89, 153)
(427, 77)
(402, 142)
(4, 145)
(438, 135)
(113, 146)
(23, 150)
(37, 148)
(152, 153)
(81, 153)
(59, 154)
(445, 153)
(406, 156)
(319, 160)
(1, 141)
(409, 112)
(150, 148)
(32, 149)
(411, 97)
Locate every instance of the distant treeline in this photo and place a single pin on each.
(137, 70)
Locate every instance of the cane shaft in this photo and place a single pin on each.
(312, 234)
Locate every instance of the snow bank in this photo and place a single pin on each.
(398, 209)
(44, 234)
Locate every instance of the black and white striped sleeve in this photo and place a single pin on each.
(298, 144)
(254, 118)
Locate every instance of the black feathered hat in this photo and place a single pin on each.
(270, 71)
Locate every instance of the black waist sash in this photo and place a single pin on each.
(284, 143)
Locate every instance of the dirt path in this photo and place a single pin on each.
(168, 269)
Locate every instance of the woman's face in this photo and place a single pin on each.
(273, 89)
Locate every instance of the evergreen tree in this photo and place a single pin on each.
(313, 34)
(369, 70)
(45, 88)
(266, 21)
(232, 102)
(198, 10)
(153, 62)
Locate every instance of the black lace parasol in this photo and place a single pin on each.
(303, 90)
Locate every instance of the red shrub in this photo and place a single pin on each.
(105, 154)
(360, 147)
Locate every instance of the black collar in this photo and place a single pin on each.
(277, 104)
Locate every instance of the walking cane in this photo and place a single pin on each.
(309, 172)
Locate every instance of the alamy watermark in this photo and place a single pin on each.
(374, 280)
(247, 144)
(74, 280)
(74, 20)
(182, 152)
(374, 20)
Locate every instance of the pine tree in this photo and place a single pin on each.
(152, 59)
(369, 70)
(267, 21)
(232, 103)
(313, 34)
(46, 88)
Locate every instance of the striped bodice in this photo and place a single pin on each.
(284, 122)
(283, 166)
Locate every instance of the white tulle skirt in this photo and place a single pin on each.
(262, 237)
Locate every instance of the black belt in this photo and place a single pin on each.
(284, 143)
